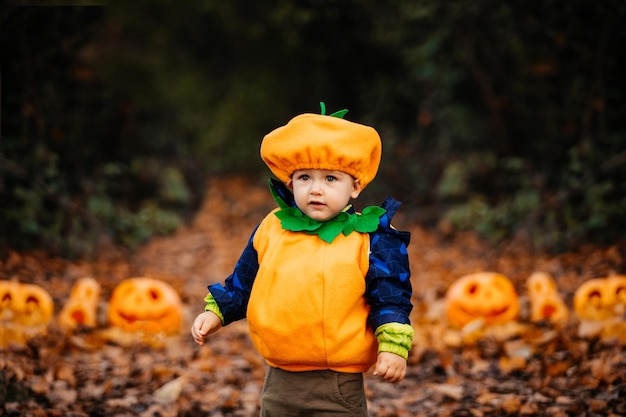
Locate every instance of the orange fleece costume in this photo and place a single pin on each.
(307, 309)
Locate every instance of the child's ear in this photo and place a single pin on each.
(356, 189)
(290, 184)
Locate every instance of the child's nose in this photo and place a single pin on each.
(316, 187)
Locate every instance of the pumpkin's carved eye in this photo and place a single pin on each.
(31, 299)
(595, 298)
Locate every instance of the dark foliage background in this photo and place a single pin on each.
(505, 118)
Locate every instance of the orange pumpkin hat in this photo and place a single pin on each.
(319, 141)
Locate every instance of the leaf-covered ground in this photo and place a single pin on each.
(516, 369)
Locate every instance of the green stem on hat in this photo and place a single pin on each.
(339, 113)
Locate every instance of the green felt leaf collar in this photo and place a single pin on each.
(292, 219)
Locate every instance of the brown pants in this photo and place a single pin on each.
(313, 393)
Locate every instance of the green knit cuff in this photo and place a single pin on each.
(211, 305)
(395, 338)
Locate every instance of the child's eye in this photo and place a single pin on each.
(331, 178)
(303, 177)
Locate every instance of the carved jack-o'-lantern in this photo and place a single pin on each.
(25, 304)
(485, 295)
(82, 306)
(25, 310)
(545, 301)
(601, 298)
(145, 304)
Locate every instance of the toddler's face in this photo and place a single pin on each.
(322, 194)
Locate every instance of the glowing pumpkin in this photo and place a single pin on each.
(545, 301)
(25, 310)
(601, 298)
(82, 305)
(25, 304)
(488, 296)
(145, 304)
(593, 300)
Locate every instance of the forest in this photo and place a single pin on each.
(505, 119)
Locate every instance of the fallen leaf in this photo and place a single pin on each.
(169, 392)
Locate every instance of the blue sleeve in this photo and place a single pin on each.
(232, 297)
(388, 283)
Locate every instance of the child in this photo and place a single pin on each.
(325, 290)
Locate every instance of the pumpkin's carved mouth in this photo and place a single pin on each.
(131, 318)
(491, 313)
(79, 315)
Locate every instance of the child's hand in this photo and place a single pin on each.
(205, 324)
(391, 367)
